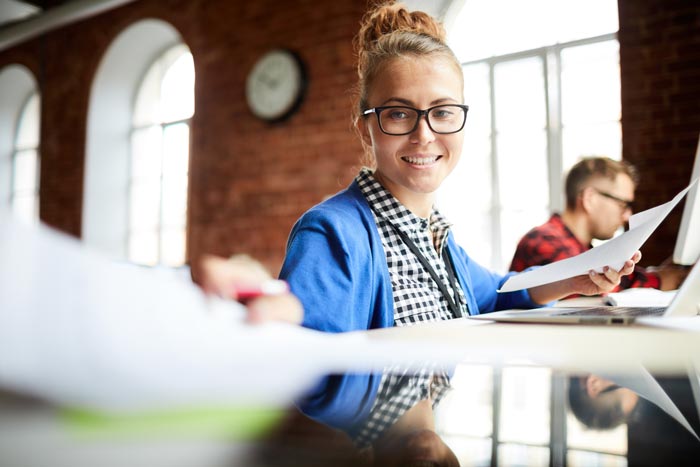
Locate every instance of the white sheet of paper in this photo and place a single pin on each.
(641, 296)
(79, 329)
(646, 386)
(612, 253)
(694, 376)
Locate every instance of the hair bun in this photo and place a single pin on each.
(392, 17)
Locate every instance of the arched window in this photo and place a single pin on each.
(137, 148)
(160, 160)
(19, 141)
(543, 86)
(24, 195)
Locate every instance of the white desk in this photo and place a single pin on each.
(566, 347)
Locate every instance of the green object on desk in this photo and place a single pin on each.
(242, 423)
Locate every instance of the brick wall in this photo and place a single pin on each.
(660, 67)
(251, 180)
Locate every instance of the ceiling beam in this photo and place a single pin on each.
(56, 17)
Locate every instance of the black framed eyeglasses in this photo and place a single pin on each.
(398, 120)
(611, 388)
(624, 203)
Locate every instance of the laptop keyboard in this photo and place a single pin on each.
(616, 311)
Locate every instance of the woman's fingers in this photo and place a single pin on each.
(285, 308)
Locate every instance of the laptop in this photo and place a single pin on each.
(686, 302)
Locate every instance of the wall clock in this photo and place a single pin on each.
(276, 85)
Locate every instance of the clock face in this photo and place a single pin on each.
(275, 85)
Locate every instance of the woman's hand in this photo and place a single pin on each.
(592, 283)
(225, 277)
(285, 307)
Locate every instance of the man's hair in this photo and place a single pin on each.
(593, 167)
(593, 413)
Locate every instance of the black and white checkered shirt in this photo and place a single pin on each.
(417, 298)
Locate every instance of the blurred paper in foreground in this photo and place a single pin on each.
(81, 330)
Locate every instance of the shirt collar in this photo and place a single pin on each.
(556, 219)
(387, 207)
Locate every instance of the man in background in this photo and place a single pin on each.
(599, 197)
(599, 403)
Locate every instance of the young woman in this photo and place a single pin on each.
(379, 254)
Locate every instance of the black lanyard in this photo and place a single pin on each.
(454, 308)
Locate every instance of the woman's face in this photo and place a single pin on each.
(413, 166)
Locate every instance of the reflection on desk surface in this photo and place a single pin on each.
(518, 415)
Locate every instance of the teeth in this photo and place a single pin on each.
(420, 160)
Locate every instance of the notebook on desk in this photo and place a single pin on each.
(686, 302)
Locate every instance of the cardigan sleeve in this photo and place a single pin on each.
(480, 285)
(329, 268)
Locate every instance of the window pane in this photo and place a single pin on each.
(524, 187)
(484, 30)
(25, 169)
(590, 83)
(174, 201)
(175, 167)
(177, 92)
(143, 248)
(585, 459)
(146, 154)
(522, 166)
(26, 208)
(515, 454)
(597, 139)
(476, 96)
(176, 148)
(144, 206)
(28, 124)
(471, 178)
(173, 247)
(520, 94)
(469, 451)
(521, 146)
(146, 105)
(525, 401)
(472, 394)
(591, 102)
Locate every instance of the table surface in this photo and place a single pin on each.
(508, 405)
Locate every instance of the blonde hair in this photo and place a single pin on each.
(389, 31)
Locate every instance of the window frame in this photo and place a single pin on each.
(14, 194)
(160, 64)
(552, 82)
(108, 145)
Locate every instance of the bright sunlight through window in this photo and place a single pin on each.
(542, 81)
(160, 161)
(24, 197)
(543, 87)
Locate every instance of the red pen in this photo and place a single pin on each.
(245, 292)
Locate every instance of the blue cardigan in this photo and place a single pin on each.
(336, 265)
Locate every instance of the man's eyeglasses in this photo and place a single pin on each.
(611, 388)
(399, 120)
(624, 203)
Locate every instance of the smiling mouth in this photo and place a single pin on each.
(421, 160)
